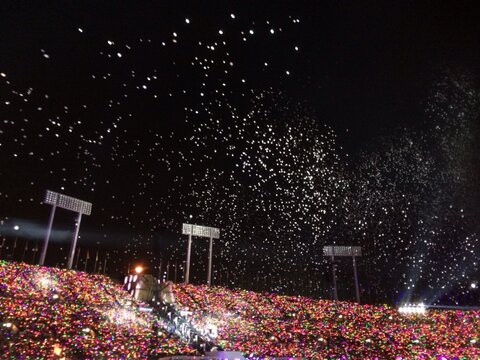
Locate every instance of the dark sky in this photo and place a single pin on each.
(353, 54)
(124, 103)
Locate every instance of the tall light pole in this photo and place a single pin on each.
(69, 203)
(353, 251)
(202, 231)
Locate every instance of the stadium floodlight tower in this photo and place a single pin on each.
(202, 231)
(352, 251)
(69, 203)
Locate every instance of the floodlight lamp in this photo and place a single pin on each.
(410, 309)
(139, 269)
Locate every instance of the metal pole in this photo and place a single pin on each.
(184, 268)
(78, 257)
(168, 270)
(96, 261)
(105, 263)
(3, 244)
(14, 247)
(160, 270)
(210, 251)
(74, 241)
(357, 290)
(189, 250)
(175, 277)
(25, 248)
(47, 237)
(87, 256)
(335, 294)
(35, 250)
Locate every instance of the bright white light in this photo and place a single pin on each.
(187, 21)
(125, 317)
(473, 285)
(220, 32)
(418, 309)
(45, 282)
(16, 227)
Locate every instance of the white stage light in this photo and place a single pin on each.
(410, 309)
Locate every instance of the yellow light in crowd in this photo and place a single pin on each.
(57, 350)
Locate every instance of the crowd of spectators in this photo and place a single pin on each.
(269, 325)
(50, 313)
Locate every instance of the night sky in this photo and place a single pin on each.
(289, 125)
